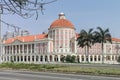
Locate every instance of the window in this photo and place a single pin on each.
(28, 58)
(37, 58)
(25, 58)
(32, 58)
(21, 58)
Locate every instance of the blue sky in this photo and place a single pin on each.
(84, 14)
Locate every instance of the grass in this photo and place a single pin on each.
(63, 68)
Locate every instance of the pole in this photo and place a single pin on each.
(0, 36)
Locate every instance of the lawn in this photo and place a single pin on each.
(63, 68)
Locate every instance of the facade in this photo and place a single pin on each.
(58, 42)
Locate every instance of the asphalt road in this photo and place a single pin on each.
(29, 75)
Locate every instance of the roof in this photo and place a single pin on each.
(62, 22)
(116, 39)
(77, 35)
(29, 38)
(113, 39)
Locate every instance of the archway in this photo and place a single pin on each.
(50, 58)
(95, 58)
(78, 58)
(62, 58)
(82, 58)
(46, 58)
(56, 58)
(41, 58)
(91, 58)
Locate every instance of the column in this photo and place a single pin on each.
(27, 45)
(13, 58)
(97, 58)
(84, 58)
(104, 59)
(39, 57)
(16, 58)
(31, 48)
(6, 58)
(101, 58)
(12, 49)
(7, 50)
(53, 58)
(75, 46)
(15, 49)
(35, 48)
(19, 49)
(31, 58)
(9, 58)
(23, 48)
(59, 58)
(111, 58)
(48, 56)
(89, 59)
(19, 58)
(104, 46)
(34, 58)
(23, 58)
(93, 58)
(43, 58)
(80, 57)
(27, 58)
(48, 47)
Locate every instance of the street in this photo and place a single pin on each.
(30, 75)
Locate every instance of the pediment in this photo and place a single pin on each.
(16, 41)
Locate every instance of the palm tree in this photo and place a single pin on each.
(86, 40)
(102, 36)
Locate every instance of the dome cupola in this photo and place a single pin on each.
(62, 16)
(62, 22)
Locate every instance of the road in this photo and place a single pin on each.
(29, 75)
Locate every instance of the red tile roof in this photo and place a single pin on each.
(26, 38)
(77, 35)
(38, 37)
(62, 23)
(116, 39)
(113, 39)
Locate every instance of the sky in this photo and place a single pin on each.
(84, 14)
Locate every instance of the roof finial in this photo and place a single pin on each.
(62, 16)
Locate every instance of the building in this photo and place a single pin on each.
(58, 42)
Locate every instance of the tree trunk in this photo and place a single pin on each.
(102, 53)
(88, 54)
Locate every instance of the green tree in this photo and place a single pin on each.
(118, 59)
(63, 58)
(102, 36)
(70, 59)
(86, 40)
(73, 59)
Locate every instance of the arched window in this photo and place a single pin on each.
(46, 58)
(37, 58)
(82, 58)
(41, 58)
(91, 58)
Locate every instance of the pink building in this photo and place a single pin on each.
(58, 42)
